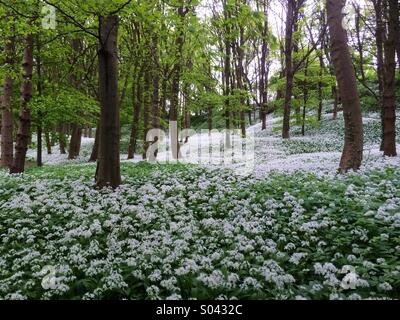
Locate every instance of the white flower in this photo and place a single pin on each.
(347, 269)
(385, 286)
(349, 281)
(296, 257)
(174, 296)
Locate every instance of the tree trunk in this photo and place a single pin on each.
(379, 36)
(156, 89)
(389, 89)
(226, 76)
(137, 103)
(305, 98)
(240, 79)
(108, 165)
(335, 102)
(288, 66)
(95, 150)
(75, 142)
(345, 75)
(332, 73)
(396, 28)
(209, 118)
(39, 152)
(264, 73)
(146, 108)
(321, 68)
(7, 114)
(61, 139)
(173, 116)
(48, 142)
(21, 146)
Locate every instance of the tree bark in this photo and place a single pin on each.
(156, 89)
(61, 139)
(108, 172)
(288, 67)
(240, 79)
(146, 108)
(353, 148)
(389, 80)
(39, 149)
(335, 102)
(137, 103)
(48, 142)
(95, 150)
(396, 28)
(321, 69)
(177, 70)
(264, 72)
(305, 98)
(379, 36)
(21, 146)
(7, 114)
(227, 75)
(75, 142)
(209, 118)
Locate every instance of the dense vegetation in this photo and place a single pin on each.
(101, 102)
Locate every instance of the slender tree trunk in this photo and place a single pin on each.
(75, 142)
(39, 152)
(137, 103)
(305, 98)
(379, 36)
(209, 118)
(95, 150)
(179, 42)
(288, 66)
(360, 45)
(124, 89)
(146, 110)
(335, 102)
(227, 74)
(332, 73)
(39, 148)
(164, 95)
(48, 142)
(21, 146)
(298, 108)
(76, 132)
(389, 89)
(61, 139)
(186, 121)
(240, 79)
(7, 114)
(156, 89)
(321, 68)
(264, 73)
(345, 75)
(108, 165)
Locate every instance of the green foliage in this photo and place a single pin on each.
(296, 237)
(64, 105)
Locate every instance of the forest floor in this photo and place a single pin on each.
(291, 229)
(319, 151)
